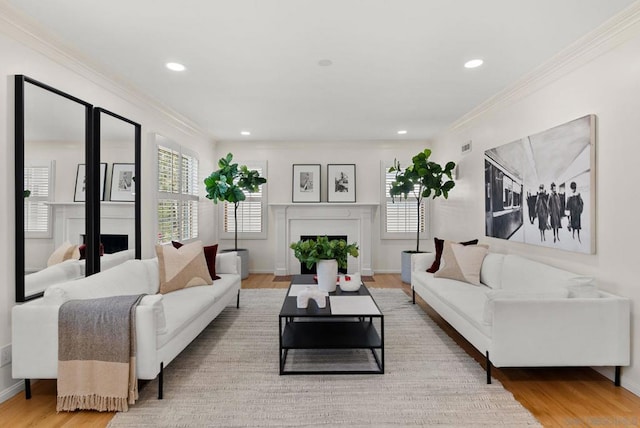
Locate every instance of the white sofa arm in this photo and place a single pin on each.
(34, 332)
(147, 363)
(422, 261)
(557, 332)
(228, 263)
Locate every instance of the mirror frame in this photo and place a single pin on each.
(92, 169)
(94, 201)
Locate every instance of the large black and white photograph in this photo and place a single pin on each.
(341, 183)
(306, 183)
(122, 182)
(540, 189)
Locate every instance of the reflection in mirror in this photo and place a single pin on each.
(118, 139)
(51, 141)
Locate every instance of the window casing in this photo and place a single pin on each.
(251, 211)
(400, 218)
(38, 179)
(178, 182)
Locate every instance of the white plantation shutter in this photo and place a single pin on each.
(251, 211)
(401, 216)
(177, 195)
(37, 211)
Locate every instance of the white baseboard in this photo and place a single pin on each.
(608, 372)
(10, 392)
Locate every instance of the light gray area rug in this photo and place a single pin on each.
(228, 377)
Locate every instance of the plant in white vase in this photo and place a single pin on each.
(327, 255)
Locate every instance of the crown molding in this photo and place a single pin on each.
(26, 31)
(604, 38)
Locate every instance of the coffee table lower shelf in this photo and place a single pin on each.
(360, 333)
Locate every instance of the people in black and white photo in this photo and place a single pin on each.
(575, 205)
(555, 212)
(542, 211)
(341, 182)
(125, 180)
(306, 181)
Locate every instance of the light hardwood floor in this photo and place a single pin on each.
(562, 397)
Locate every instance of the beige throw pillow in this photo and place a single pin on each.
(182, 267)
(66, 251)
(462, 262)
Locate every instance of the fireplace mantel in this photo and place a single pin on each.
(292, 220)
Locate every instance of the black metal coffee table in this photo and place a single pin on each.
(351, 324)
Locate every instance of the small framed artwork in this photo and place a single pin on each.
(306, 183)
(123, 182)
(79, 195)
(341, 182)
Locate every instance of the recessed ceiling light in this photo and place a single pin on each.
(245, 132)
(402, 132)
(325, 62)
(174, 66)
(473, 63)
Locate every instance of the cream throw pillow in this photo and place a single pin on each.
(66, 251)
(462, 262)
(182, 267)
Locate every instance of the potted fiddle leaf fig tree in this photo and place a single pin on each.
(422, 179)
(328, 255)
(229, 184)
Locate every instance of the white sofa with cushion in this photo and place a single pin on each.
(165, 323)
(529, 314)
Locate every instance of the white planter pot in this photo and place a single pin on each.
(327, 271)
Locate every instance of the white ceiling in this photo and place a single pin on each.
(253, 64)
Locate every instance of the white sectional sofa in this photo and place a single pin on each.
(165, 323)
(528, 314)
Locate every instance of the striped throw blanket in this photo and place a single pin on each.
(96, 354)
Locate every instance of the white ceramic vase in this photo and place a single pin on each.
(327, 271)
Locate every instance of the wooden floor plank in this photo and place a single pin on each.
(557, 397)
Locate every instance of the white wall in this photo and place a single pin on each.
(609, 87)
(19, 59)
(280, 157)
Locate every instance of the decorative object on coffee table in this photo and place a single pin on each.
(311, 293)
(327, 255)
(350, 282)
(341, 183)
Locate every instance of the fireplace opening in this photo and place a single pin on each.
(303, 267)
(112, 243)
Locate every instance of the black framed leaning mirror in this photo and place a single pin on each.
(117, 142)
(77, 186)
(52, 137)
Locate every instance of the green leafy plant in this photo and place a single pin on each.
(422, 179)
(309, 251)
(26, 193)
(229, 183)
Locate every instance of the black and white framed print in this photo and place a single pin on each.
(341, 182)
(79, 195)
(122, 182)
(306, 183)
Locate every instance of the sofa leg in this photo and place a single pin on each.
(413, 292)
(238, 300)
(488, 364)
(160, 381)
(616, 380)
(27, 389)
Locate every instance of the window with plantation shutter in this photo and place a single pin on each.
(400, 217)
(37, 210)
(251, 211)
(177, 194)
